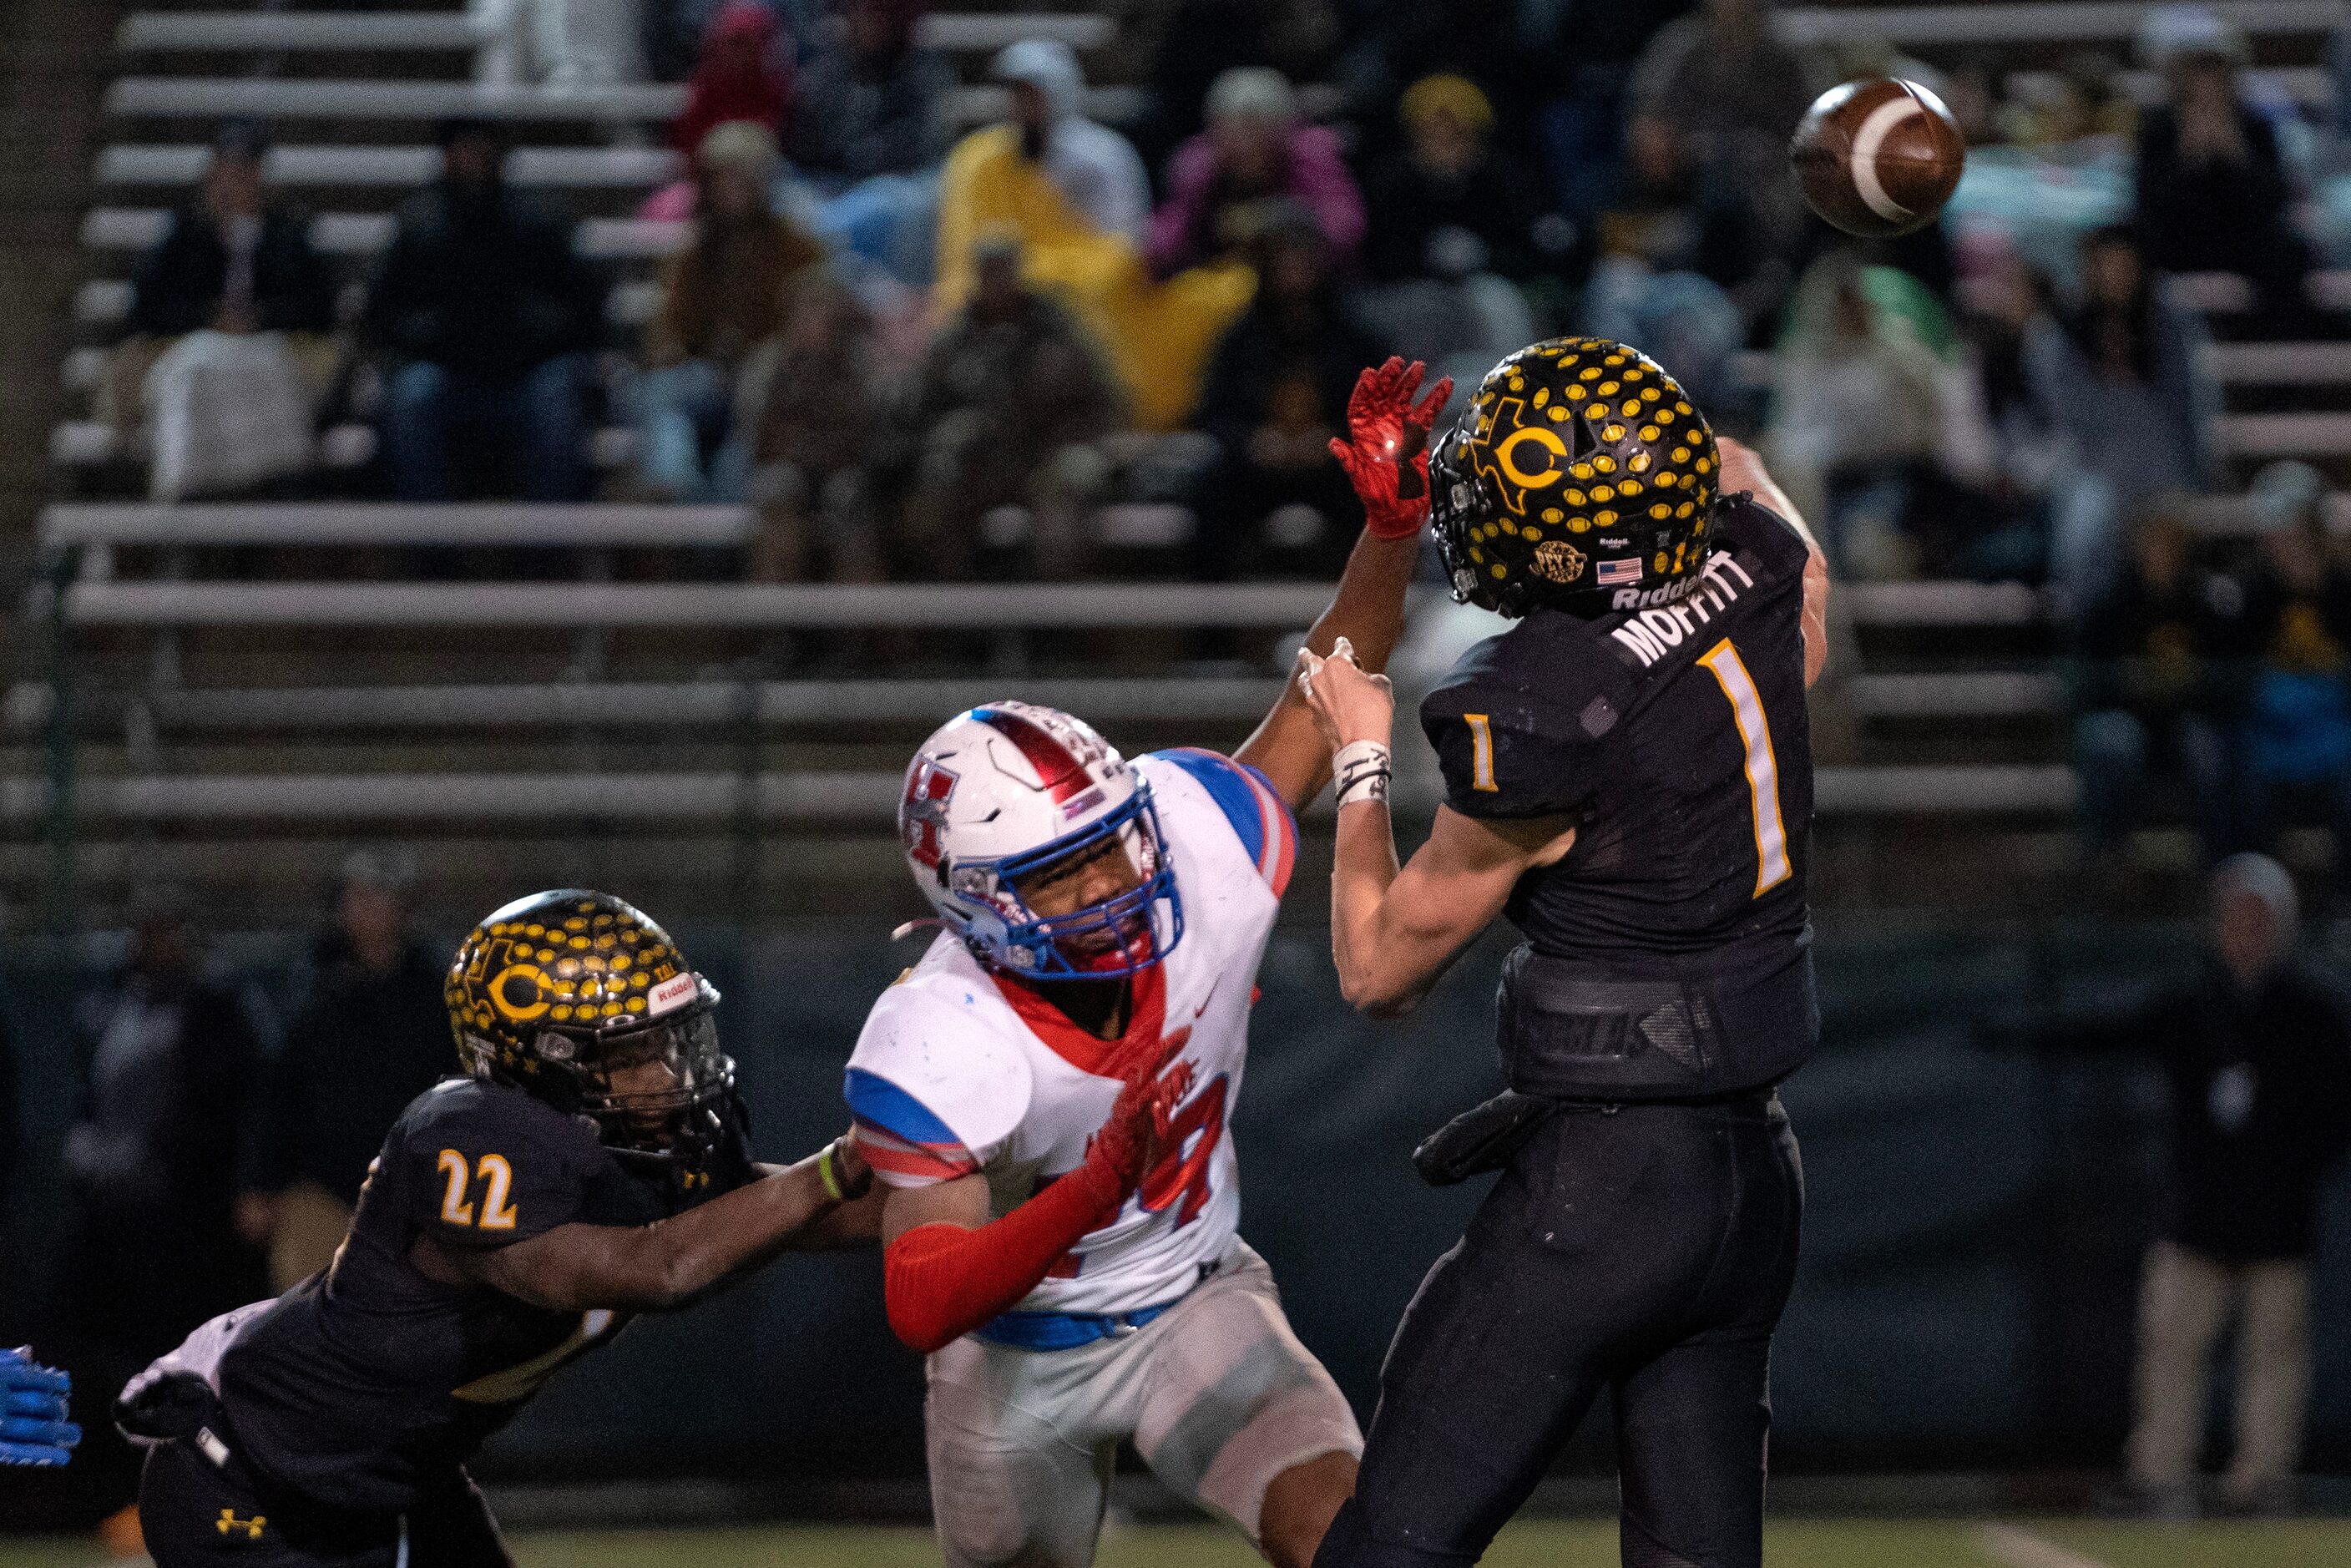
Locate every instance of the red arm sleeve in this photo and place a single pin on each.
(940, 1282)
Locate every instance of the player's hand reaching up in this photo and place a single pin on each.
(1385, 452)
(1348, 705)
(1140, 1126)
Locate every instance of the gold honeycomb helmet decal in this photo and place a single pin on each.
(1582, 465)
(566, 960)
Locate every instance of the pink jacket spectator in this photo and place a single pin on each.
(1184, 229)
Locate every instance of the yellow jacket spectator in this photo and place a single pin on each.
(1072, 193)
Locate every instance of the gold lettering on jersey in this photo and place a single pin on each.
(456, 1209)
(497, 1178)
(1650, 635)
(1481, 752)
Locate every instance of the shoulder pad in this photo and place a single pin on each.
(1514, 723)
(936, 1087)
(1257, 814)
(488, 1165)
(1750, 526)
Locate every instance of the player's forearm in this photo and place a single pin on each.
(701, 1250)
(665, 1265)
(1368, 610)
(942, 1281)
(1363, 871)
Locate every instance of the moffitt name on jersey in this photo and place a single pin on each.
(1691, 604)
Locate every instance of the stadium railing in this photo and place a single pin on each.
(297, 31)
(2064, 21)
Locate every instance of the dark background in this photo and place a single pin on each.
(1974, 1222)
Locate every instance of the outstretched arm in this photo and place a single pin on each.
(1387, 458)
(1742, 470)
(1394, 930)
(947, 1267)
(658, 1266)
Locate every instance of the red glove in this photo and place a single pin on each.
(941, 1281)
(1385, 454)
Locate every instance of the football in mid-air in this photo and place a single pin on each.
(1878, 156)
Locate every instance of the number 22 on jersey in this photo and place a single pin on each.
(497, 1181)
(1729, 672)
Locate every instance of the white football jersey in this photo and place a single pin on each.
(961, 1070)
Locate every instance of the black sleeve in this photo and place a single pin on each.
(297, 293)
(488, 1167)
(1504, 754)
(176, 292)
(401, 315)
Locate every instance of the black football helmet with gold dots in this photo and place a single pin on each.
(1581, 472)
(557, 993)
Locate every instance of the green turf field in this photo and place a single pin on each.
(1798, 1543)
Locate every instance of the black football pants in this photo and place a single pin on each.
(198, 1513)
(1644, 1249)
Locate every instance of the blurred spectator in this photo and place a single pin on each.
(2298, 735)
(812, 401)
(1451, 203)
(2084, 102)
(1255, 150)
(1007, 407)
(870, 126)
(2159, 689)
(233, 313)
(1583, 128)
(1680, 265)
(1857, 411)
(2258, 1053)
(872, 101)
(489, 317)
(1072, 192)
(371, 1036)
(744, 73)
(1276, 393)
(722, 296)
(1971, 91)
(2212, 190)
(574, 45)
(1456, 227)
(150, 1250)
(1735, 89)
(1189, 44)
(2121, 375)
(992, 176)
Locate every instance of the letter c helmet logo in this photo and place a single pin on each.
(520, 992)
(1507, 455)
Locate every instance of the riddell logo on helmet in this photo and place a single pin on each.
(671, 995)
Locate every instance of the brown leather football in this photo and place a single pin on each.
(1878, 156)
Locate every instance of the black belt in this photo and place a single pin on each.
(1695, 1031)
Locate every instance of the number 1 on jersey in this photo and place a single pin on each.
(1729, 672)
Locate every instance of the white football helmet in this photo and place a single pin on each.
(1007, 789)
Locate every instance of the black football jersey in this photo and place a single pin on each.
(370, 1381)
(1673, 732)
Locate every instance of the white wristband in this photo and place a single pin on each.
(1361, 770)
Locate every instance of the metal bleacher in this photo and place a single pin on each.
(231, 691)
